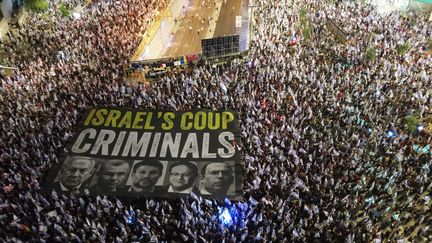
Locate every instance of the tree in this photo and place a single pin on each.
(37, 6)
(371, 53)
(411, 122)
(402, 49)
(64, 10)
(429, 47)
(304, 24)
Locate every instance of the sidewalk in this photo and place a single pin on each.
(147, 38)
(4, 27)
(387, 6)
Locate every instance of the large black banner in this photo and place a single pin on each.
(157, 153)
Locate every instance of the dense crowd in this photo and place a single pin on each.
(319, 162)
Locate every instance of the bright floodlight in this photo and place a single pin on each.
(420, 128)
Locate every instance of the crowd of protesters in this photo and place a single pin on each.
(319, 162)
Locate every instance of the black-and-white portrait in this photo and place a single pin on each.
(146, 177)
(217, 179)
(111, 176)
(74, 174)
(181, 177)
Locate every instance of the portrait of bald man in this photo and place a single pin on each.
(216, 179)
(111, 175)
(74, 174)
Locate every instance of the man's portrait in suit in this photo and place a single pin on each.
(111, 176)
(145, 175)
(216, 178)
(75, 172)
(182, 177)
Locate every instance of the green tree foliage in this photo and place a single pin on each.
(304, 24)
(429, 46)
(37, 6)
(371, 53)
(64, 10)
(411, 122)
(402, 49)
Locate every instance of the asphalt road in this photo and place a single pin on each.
(195, 25)
(226, 21)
